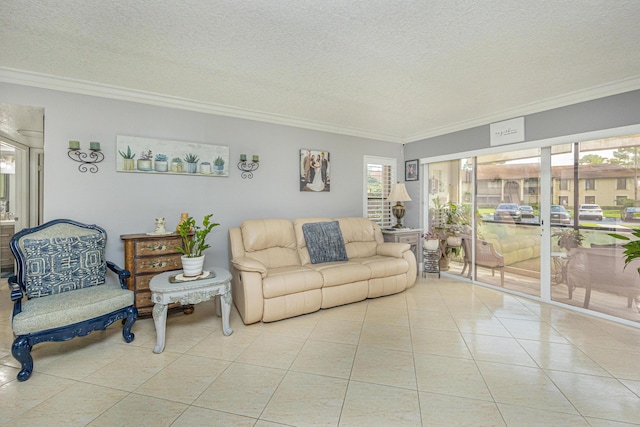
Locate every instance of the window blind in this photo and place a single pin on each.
(380, 174)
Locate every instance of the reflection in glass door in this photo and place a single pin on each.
(449, 211)
(595, 191)
(508, 230)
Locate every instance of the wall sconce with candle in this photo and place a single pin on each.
(247, 168)
(87, 160)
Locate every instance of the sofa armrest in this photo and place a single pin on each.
(123, 274)
(249, 264)
(392, 249)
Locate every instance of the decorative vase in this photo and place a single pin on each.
(183, 217)
(192, 267)
(444, 263)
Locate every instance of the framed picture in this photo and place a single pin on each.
(153, 156)
(315, 170)
(411, 172)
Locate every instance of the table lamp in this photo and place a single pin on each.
(398, 194)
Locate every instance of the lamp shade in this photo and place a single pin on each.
(398, 193)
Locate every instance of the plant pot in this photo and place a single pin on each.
(192, 167)
(177, 167)
(161, 166)
(454, 241)
(205, 168)
(128, 164)
(144, 165)
(432, 244)
(192, 267)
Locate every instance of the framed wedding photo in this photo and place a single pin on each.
(411, 170)
(315, 170)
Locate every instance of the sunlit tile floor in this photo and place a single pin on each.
(443, 353)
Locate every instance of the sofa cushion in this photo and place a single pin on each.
(324, 242)
(290, 280)
(361, 236)
(60, 264)
(270, 241)
(384, 266)
(340, 273)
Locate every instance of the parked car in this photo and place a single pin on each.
(527, 212)
(631, 213)
(507, 212)
(590, 211)
(559, 215)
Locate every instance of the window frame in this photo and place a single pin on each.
(385, 218)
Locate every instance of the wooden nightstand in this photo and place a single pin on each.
(404, 235)
(146, 256)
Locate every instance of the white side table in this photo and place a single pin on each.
(164, 293)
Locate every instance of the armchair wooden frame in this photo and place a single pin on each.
(23, 342)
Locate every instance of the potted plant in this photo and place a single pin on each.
(176, 165)
(631, 248)
(145, 160)
(218, 164)
(194, 242)
(161, 163)
(192, 163)
(569, 238)
(127, 159)
(431, 241)
(448, 221)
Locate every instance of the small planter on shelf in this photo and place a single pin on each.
(145, 163)
(161, 163)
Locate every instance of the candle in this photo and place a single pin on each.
(243, 157)
(74, 145)
(255, 158)
(95, 146)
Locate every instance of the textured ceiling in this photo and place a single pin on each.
(388, 69)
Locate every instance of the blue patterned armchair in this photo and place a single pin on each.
(60, 289)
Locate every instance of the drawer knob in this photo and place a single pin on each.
(157, 264)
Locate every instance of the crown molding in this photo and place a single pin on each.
(608, 89)
(46, 81)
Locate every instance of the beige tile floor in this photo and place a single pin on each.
(443, 353)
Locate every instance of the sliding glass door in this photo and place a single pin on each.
(596, 183)
(508, 231)
(556, 240)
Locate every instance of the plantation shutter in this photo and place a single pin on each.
(380, 174)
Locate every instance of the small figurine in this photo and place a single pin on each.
(160, 229)
(160, 226)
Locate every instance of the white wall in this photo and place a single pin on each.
(126, 203)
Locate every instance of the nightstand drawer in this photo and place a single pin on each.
(157, 247)
(410, 239)
(158, 264)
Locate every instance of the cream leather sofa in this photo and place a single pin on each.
(274, 278)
